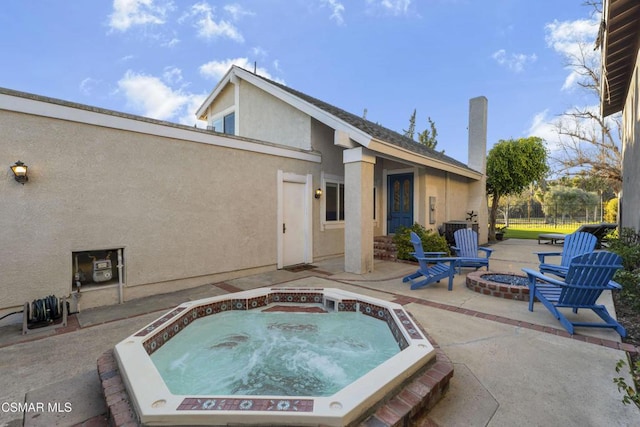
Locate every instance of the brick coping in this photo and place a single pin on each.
(411, 401)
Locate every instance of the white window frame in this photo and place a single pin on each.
(221, 115)
(332, 179)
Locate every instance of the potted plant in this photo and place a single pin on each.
(500, 232)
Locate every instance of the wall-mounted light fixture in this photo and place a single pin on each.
(20, 172)
(318, 193)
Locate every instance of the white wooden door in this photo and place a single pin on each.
(293, 223)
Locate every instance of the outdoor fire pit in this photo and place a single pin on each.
(502, 285)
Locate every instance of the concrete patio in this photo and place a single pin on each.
(512, 366)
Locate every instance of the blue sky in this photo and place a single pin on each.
(161, 58)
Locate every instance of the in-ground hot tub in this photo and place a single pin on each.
(156, 403)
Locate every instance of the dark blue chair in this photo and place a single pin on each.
(577, 243)
(468, 251)
(587, 276)
(433, 266)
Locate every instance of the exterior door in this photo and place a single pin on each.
(399, 202)
(293, 223)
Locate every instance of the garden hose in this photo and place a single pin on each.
(44, 310)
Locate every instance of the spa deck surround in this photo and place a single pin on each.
(154, 404)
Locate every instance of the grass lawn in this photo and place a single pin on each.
(523, 231)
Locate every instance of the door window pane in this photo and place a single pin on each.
(406, 194)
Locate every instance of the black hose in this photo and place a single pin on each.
(45, 310)
(15, 312)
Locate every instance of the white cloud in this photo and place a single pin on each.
(172, 43)
(515, 61)
(337, 10)
(574, 41)
(87, 85)
(128, 13)
(172, 74)
(236, 11)
(545, 127)
(216, 69)
(151, 97)
(394, 7)
(208, 27)
(259, 52)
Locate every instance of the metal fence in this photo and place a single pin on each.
(558, 215)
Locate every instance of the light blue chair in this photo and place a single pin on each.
(468, 251)
(577, 243)
(587, 276)
(433, 266)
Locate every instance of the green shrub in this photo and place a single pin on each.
(630, 394)
(627, 245)
(431, 241)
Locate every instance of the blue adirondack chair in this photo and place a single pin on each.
(577, 243)
(468, 251)
(433, 266)
(587, 277)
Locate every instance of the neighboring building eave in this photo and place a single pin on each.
(620, 39)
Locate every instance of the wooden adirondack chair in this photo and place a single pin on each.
(433, 266)
(587, 277)
(468, 251)
(575, 244)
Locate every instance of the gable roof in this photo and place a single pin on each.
(620, 43)
(360, 130)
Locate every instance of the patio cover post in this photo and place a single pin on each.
(358, 210)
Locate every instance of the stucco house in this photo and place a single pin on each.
(119, 206)
(620, 89)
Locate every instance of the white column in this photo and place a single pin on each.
(358, 210)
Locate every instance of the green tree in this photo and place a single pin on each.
(412, 126)
(429, 136)
(512, 165)
(611, 210)
(569, 201)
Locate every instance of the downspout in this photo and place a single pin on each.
(120, 282)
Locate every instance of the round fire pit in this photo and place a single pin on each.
(501, 285)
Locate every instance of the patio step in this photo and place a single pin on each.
(384, 248)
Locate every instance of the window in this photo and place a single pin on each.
(224, 124)
(334, 201)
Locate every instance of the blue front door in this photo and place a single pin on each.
(399, 202)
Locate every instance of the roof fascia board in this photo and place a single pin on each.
(202, 111)
(319, 114)
(42, 108)
(400, 153)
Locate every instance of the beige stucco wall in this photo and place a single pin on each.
(264, 117)
(224, 100)
(329, 241)
(631, 153)
(184, 212)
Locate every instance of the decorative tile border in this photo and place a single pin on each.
(159, 322)
(164, 331)
(347, 305)
(278, 296)
(408, 325)
(246, 404)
